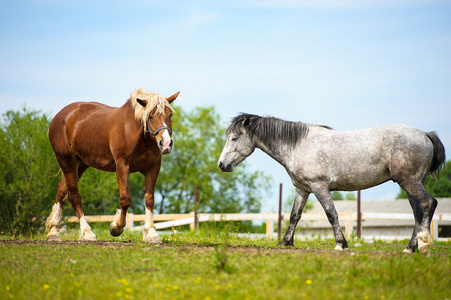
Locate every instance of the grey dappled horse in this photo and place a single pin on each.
(319, 160)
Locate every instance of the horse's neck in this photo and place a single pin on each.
(279, 152)
(136, 127)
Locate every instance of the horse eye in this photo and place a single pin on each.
(234, 139)
(170, 116)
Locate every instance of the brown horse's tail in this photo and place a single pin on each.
(439, 157)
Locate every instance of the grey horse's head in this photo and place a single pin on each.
(239, 143)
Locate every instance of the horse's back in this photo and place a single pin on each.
(79, 111)
(362, 158)
(81, 127)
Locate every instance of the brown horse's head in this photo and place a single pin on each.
(155, 112)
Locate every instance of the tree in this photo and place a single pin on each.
(437, 188)
(350, 196)
(336, 196)
(198, 142)
(28, 176)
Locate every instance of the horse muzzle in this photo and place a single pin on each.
(165, 145)
(225, 167)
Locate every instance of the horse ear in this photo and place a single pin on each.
(173, 97)
(142, 102)
(246, 122)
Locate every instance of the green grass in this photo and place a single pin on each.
(212, 265)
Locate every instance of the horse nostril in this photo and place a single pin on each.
(161, 143)
(172, 143)
(220, 165)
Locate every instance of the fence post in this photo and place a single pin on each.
(434, 230)
(129, 221)
(192, 226)
(359, 216)
(279, 223)
(269, 226)
(196, 196)
(348, 225)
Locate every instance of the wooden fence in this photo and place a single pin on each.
(174, 220)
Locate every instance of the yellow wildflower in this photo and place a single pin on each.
(308, 281)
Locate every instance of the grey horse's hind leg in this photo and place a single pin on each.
(418, 214)
(300, 199)
(328, 205)
(423, 205)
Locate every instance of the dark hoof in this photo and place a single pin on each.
(284, 244)
(116, 231)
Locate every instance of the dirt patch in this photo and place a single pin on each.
(246, 249)
(238, 249)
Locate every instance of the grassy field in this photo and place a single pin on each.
(212, 265)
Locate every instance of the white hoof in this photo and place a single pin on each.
(339, 247)
(424, 241)
(53, 237)
(88, 236)
(408, 251)
(152, 236)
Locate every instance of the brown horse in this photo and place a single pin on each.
(124, 140)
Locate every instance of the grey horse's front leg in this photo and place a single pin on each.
(328, 205)
(300, 199)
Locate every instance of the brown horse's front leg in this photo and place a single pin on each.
(150, 234)
(122, 173)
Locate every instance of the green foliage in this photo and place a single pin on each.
(287, 205)
(99, 192)
(350, 196)
(442, 188)
(29, 170)
(220, 258)
(198, 142)
(336, 195)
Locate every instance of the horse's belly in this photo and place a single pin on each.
(99, 162)
(358, 181)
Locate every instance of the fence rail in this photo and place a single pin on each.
(175, 220)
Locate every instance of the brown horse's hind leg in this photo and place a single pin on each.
(54, 220)
(52, 224)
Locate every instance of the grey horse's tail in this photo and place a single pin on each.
(439, 157)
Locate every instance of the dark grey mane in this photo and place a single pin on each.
(270, 128)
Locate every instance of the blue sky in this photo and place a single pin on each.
(347, 64)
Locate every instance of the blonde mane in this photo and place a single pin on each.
(154, 100)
